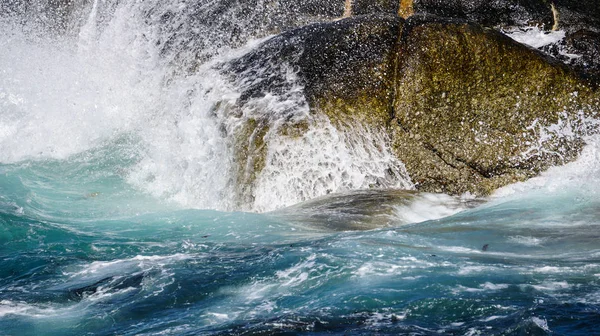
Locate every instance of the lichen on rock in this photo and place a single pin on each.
(470, 102)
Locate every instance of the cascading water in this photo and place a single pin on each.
(121, 184)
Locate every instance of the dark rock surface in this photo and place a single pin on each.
(363, 7)
(490, 13)
(575, 15)
(346, 67)
(581, 51)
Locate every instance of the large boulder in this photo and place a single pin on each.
(362, 7)
(475, 110)
(467, 108)
(203, 28)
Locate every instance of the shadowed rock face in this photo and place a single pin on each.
(490, 13)
(467, 108)
(585, 44)
(346, 67)
(362, 7)
(203, 26)
(472, 104)
(577, 15)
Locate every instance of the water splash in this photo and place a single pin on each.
(128, 73)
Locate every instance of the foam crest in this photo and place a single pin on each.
(580, 175)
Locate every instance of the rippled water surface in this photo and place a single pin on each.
(118, 215)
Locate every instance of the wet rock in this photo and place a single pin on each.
(581, 51)
(500, 13)
(576, 15)
(346, 67)
(345, 72)
(362, 7)
(467, 108)
(475, 110)
(581, 47)
(205, 26)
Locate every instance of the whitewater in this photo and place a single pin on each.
(120, 212)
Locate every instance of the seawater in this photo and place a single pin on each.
(118, 217)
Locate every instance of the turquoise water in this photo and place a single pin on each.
(119, 214)
(84, 253)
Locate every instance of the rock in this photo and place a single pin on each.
(203, 27)
(498, 13)
(346, 71)
(345, 67)
(467, 108)
(474, 109)
(363, 7)
(581, 51)
(581, 47)
(576, 15)
(355, 210)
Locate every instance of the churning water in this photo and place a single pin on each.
(120, 213)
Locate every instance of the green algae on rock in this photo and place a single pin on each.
(471, 105)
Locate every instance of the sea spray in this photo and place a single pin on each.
(120, 79)
(102, 149)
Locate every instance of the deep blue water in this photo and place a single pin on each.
(83, 253)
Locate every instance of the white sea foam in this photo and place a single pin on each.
(123, 266)
(492, 318)
(431, 206)
(380, 268)
(550, 286)
(583, 174)
(39, 311)
(540, 322)
(527, 241)
(536, 37)
(55, 103)
(486, 287)
(326, 160)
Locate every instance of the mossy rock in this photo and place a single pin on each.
(470, 105)
(464, 105)
(250, 151)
